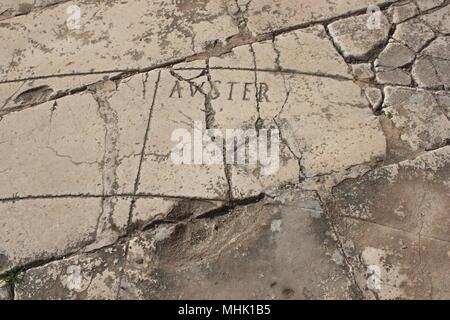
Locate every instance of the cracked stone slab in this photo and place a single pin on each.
(257, 251)
(60, 147)
(317, 55)
(408, 267)
(395, 55)
(363, 71)
(400, 13)
(414, 34)
(443, 99)
(303, 114)
(120, 36)
(425, 5)
(432, 69)
(269, 15)
(40, 229)
(354, 38)
(234, 105)
(439, 20)
(417, 114)
(5, 292)
(396, 218)
(176, 107)
(84, 276)
(154, 210)
(318, 125)
(412, 195)
(375, 97)
(393, 76)
(87, 160)
(15, 95)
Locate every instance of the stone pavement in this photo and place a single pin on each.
(92, 205)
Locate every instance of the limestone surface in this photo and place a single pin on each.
(234, 149)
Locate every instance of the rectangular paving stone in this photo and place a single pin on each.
(176, 107)
(79, 144)
(40, 229)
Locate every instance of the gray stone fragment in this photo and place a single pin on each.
(354, 38)
(429, 4)
(414, 34)
(443, 99)
(439, 20)
(395, 55)
(374, 96)
(418, 115)
(403, 12)
(393, 76)
(432, 69)
(363, 71)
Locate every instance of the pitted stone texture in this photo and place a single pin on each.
(268, 15)
(395, 55)
(353, 37)
(425, 5)
(393, 76)
(118, 35)
(76, 145)
(39, 229)
(363, 71)
(414, 34)
(375, 97)
(443, 99)
(402, 12)
(439, 20)
(258, 251)
(84, 276)
(396, 218)
(417, 114)
(409, 268)
(432, 69)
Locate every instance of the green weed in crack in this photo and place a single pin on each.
(388, 114)
(10, 279)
